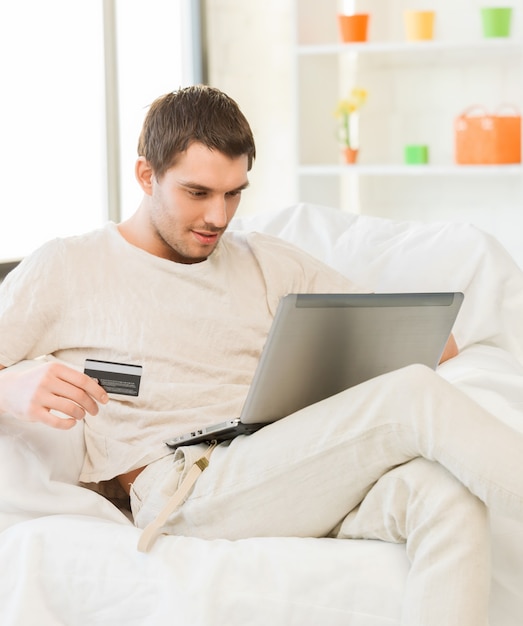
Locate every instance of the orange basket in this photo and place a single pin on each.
(483, 139)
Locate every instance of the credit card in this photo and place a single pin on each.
(120, 378)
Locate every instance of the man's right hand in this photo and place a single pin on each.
(31, 394)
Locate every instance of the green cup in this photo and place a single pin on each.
(496, 21)
(416, 154)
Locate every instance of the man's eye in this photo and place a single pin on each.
(231, 194)
(197, 194)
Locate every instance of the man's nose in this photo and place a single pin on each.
(216, 213)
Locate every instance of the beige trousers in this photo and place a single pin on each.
(405, 457)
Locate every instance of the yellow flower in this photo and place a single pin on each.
(346, 108)
(356, 99)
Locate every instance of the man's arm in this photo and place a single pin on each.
(31, 395)
(451, 350)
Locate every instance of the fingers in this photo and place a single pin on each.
(59, 422)
(80, 392)
(94, 389)
(59, 396)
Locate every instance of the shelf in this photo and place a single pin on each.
(412, 170)
(502, 45)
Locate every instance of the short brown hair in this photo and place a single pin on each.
(194, 114)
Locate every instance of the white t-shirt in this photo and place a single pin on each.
(197, 330)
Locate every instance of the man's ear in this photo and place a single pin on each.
(144, 175)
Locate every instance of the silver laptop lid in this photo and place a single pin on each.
(321, 344)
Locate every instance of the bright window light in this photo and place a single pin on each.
(52, 122)
(153, 59)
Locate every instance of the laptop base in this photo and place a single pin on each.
(223, 431)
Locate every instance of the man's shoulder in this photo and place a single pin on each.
(96, 236)
(273, 252)
(57, 254)
(72, 242)
(262, 243)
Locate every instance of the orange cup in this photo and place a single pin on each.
(353, 28)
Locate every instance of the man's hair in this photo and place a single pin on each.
(194, 114)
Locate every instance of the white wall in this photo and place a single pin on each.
(251, 58)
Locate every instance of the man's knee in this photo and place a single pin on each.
(416, 377)
(432, 492)
(415, 500)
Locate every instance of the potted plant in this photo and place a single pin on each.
(345, 111)
(353, 28)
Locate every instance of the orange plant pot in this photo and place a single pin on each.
(353, 28)
(350, 155)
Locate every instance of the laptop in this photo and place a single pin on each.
(322, 344)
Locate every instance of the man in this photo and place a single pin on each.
(171, 291)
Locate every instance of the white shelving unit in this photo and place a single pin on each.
(416, 90)
(492, 46)
(410, 170)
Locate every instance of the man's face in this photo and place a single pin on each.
(194, 201)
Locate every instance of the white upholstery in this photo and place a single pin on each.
(69, 556)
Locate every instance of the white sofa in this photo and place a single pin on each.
(69, 556)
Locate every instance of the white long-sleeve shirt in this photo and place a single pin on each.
(197, 330)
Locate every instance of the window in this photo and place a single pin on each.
(54, 110)
(156, 54)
